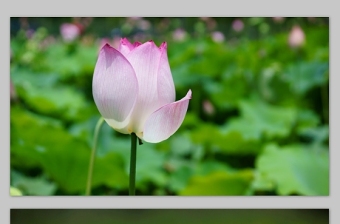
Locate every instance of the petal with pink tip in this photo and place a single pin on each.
(165, 121)
(125, 46)
(114, 87)
(136, 44)
(165, 83)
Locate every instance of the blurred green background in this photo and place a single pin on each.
(257, 124)
(169, 216)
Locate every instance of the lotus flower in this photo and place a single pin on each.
(296, 37)
(237, 25)
(69, 31)
(135, 93)
(217, 36)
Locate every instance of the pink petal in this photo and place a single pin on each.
(136, 44)
(165, 121)
(114, 87)
(125, 46)
(145, 60)
(165, 83)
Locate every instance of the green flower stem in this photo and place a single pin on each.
(133, 164)
(93, 154)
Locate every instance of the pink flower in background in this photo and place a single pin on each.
(296, 37)
(278, 19)
(134, 90)
(134, 18)
(237, 25)
(139, 22)
(208, 107)
(217, 36)
(179, 34)
(29, 33)
(69, 31)
(144, 24)
(210, 22)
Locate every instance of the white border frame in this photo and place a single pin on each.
(170, 8)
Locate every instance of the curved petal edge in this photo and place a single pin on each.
(165, 121)
(114, 87)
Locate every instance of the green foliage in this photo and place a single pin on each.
(296, 169)
(219, 183)
(31, 186)
(15, 191)
(305, 75)
(257, 124)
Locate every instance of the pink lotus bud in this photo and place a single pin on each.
(179, 34)
(237, 25)
(278, 19)
(69, 31)
(217, 36)
(134, 91)
(208, 107)
(296, 37)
